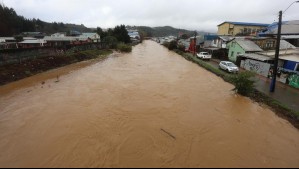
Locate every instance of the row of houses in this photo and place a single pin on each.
(252, 47)
(59, 40)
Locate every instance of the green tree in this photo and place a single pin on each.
(243, 82)
(111, 41)
(19, 38)
(121, 34)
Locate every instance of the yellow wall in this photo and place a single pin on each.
(224, 29)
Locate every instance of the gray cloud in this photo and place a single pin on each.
(189, 14)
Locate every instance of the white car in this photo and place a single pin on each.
(204, 55)
(229, 66)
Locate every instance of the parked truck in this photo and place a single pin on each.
(204, 55)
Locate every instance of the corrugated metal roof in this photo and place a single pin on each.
(294, 58)
(290, 37)
(284, 52)
(247, 24)
(255, 56)
(288, 27)
(248, 45)
(226, 38)
(68, 38)
(37, 41)
(286, 45)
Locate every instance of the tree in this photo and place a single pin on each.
(111, 41)
(185, 36)
(19, 38)
(244, 83)
(121, 34)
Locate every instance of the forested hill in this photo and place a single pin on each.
(13, 24)
(163, 31)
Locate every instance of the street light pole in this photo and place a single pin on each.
(195, 34)
(273, 82)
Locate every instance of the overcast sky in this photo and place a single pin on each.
(189, 14)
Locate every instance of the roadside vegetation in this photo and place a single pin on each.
(244, 85)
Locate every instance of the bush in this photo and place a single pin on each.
(166, 44)
(181, 48)
(243, 83)
(111, 41)
(124, 48)
(173, 45)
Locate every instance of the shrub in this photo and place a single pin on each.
(181, 48)
(243, 83)
(124, 48)
(166, 44)
(173, 45)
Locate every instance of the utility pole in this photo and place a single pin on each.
(273, 82)
(195, 34)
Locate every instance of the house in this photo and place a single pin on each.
(93, 36)
(257, 63)
(240, 28)
(208, 40)
(59, 34)
(240, 46)
(199, 41)
(287, 28)
(289, 31)
(35, 43)
(292, 39)
(221, 41)
(64, 42)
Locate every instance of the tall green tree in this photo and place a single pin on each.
(121, 34)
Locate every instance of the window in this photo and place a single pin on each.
(269, 44)
(232, 54)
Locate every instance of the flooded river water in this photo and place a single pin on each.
(149, 108)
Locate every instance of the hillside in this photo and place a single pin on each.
(163, 31)
(13, 24)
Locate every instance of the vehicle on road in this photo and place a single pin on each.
(204, 55)
(229, 67)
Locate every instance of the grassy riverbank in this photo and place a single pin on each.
(281, 110)
(14, 72)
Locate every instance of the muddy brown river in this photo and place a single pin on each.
(149, 108)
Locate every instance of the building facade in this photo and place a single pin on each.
(240, 28)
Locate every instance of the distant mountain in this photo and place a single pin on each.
(163, 31)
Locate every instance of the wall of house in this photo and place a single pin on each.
(258, 67)
(240, 29)
(223, 29)
(230, 29)
(266, 44)
(234, 50)
(290, 65)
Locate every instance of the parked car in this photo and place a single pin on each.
(204, 55)
(229, 66)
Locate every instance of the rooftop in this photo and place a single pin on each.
(248, 45)
(246, 24)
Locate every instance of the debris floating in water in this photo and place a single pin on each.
(168, 134)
